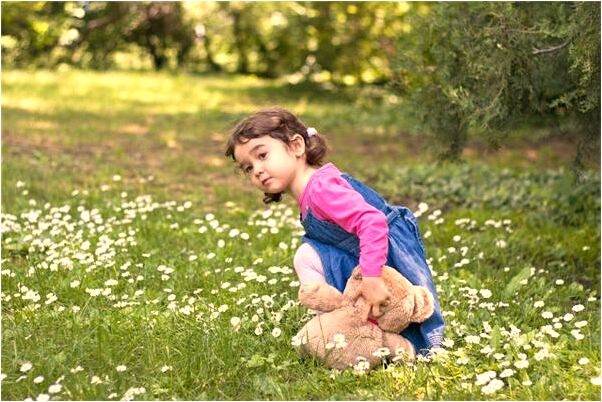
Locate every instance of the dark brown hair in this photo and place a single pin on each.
(280, 124)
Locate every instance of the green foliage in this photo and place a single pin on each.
(100, 32)
(584, 55)
(330, 41)
(484, 67)
(515, 282)
(550, 195)
(160, 28)
(31, 31)
(91, 34)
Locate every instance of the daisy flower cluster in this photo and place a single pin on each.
(82, 257)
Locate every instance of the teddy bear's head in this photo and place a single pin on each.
(408, 303)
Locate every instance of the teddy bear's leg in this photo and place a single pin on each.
(316, 339)
(320, 296)
(399, 346)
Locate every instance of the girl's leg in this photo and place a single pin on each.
(308, 264)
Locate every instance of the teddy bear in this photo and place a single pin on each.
(338, 336)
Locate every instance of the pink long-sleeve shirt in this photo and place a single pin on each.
(330, 197)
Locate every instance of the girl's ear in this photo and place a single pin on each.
(297, 145)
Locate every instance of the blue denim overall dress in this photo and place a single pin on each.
(339, 252)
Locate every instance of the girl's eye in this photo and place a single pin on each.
(247, 169)
(263, 155)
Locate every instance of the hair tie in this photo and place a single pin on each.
(311, 131)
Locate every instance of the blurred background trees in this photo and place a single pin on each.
(462, 69)
(330, 41)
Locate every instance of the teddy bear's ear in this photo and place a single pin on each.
(424, 304)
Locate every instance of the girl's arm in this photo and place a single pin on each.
(333, 199)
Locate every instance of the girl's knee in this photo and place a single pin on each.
(307, 264)
(304, 257)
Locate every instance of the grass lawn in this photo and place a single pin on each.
(138, 264)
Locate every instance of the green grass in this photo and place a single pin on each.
(71, 229)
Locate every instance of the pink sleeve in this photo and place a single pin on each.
(335, 200)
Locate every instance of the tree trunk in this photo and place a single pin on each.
(207, 46)
(243, 63)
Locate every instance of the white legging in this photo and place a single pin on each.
(308, 264)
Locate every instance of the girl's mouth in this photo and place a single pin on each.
(266, 181)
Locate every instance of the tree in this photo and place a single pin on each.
(100, 28)
(267, 38)
(489, 66)
(161, 29)
(327, 41)
(349, 40)
(31, 30)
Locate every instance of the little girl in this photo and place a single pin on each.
(346, 223)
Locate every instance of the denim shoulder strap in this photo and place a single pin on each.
(370, 196)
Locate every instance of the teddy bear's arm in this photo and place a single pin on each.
(320, 296)
(424, 304)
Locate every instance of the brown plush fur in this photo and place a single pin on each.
(338, 315)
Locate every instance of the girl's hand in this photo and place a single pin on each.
(375, 293)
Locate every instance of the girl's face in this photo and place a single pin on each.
(270, 163)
